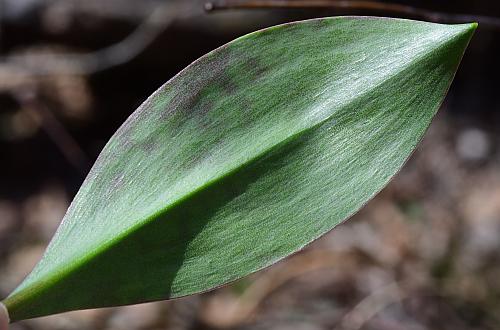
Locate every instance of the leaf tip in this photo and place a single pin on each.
(464, 29)
(460, 36)
(470, 28)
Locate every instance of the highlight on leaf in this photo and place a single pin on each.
(243, 158)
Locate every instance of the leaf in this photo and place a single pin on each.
(246, 156)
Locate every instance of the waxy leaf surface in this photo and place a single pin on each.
(246, 156)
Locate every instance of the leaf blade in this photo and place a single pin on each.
(336, 104)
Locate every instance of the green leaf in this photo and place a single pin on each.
(246, 156)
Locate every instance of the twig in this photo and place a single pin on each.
(370, 306)
(114, 55)
(127, 10)
(304, 263)
(383, 297)
(372, 6)
(56, 131)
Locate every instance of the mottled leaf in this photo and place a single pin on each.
(246, 156)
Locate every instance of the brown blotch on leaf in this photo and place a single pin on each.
(149, 145)
(189, 86)
(318, 24)
(256, 68)
(228, 85)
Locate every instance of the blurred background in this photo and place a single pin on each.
(424, 254)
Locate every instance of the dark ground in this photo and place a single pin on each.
(424, 254)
